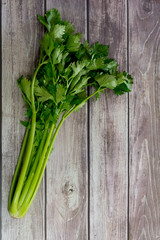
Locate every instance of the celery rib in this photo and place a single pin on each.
(18, 168)
(31, 174)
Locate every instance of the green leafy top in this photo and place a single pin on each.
(66, 68)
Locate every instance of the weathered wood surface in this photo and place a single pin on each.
(108, 130)
(67, 170)
(144, 59)
(20, 34)
(116, 165)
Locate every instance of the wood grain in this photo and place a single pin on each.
(108, 130)
(67, 170)
(66, 190)
(144, 27)
(20, 34)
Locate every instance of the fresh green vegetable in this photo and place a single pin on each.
(58, 87)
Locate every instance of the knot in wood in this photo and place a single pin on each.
(68, 188)
(147, 6)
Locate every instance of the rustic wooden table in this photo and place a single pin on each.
(102, 182)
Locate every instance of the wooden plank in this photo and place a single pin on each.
(108, 130)
(67, 169)
(20, 34)
(144, 25)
